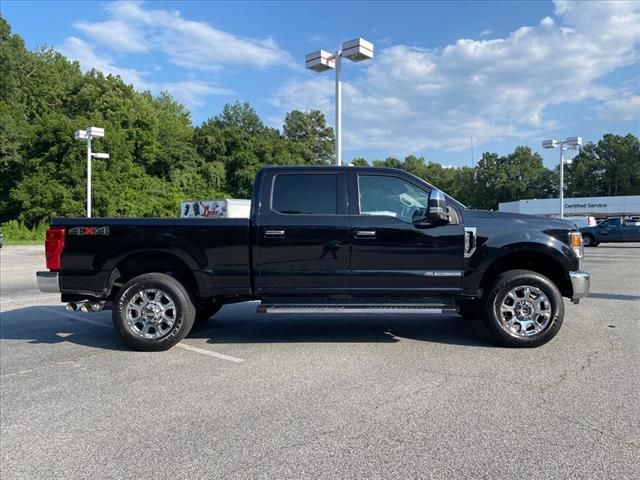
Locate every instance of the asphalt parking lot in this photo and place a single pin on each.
(321, 396)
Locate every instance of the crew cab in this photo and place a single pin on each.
(322, 239)
(615, 229)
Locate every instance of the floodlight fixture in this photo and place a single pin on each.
(320, 61)
(95, 132)
(80, 134)
(356, 50)
(573, 141)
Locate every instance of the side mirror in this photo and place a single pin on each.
(438, 213)
(435, 214)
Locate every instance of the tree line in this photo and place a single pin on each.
(158, 158)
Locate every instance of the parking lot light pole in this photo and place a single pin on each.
(355, 50)
(87, 135)
(570, 143)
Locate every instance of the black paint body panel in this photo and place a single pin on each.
(215, 250)
(316, 255)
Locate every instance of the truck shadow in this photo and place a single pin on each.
(49, 325)
(224, 328)
(239, 324)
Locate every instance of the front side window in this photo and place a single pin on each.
(305, 194)
(609, 224)
(390, 196)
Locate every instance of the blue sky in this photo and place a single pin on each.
(504, 73)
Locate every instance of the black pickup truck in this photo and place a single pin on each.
(322, 239)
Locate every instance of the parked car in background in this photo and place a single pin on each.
(1, 238)
(611, 230)
(583, 221)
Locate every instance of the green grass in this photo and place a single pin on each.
(16, 233)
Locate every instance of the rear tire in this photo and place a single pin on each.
(153, 312)
(523, 309)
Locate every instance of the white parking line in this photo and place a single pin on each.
(209, 353)
(184, 346)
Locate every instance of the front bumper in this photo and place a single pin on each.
(48, 282)
(580, 284)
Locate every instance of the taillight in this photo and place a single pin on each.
(53, 247)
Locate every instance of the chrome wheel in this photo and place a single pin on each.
(525, 311)
(151, 313)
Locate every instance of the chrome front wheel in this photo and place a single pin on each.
(525, 311)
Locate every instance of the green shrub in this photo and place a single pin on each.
(17, 232)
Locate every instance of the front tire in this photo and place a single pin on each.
(153, 312)
(523, 309)
(589, 241)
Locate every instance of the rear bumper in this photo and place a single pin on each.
(48, 282)
(580, 284)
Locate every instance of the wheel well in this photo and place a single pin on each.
(152, 262)
(534, 261)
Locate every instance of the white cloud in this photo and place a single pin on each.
(193, 45)
(116, 35)
(622, 106)
(189, 92)
(412, 98)
(190, 44)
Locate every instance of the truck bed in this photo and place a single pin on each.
(216, 251)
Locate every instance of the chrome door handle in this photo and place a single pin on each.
(365, 233)
(274, 233)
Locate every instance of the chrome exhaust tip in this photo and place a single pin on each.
(96, 306)
(85, 307)
(71, 307)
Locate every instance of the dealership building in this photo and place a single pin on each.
(596, 206)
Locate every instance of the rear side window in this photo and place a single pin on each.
(305, 194)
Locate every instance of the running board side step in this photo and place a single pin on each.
(355, 308)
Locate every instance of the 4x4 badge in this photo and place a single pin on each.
(89, 231)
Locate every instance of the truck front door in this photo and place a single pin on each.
(389, 254)
(302, 234)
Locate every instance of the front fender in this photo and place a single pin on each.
(492, 249)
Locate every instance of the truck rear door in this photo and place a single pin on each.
(301, 233)
(630, 231)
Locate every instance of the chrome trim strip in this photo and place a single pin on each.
(48, 282)
(398, 273)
